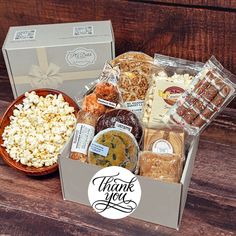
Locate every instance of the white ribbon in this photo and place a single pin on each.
(41, 79)
(44, 75)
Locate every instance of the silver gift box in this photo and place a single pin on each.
(58, 56)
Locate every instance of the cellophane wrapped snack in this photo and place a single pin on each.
(169, 78)
(134, 78)
(163, 154)
(207, 95)
(95, 99)
(103, 94)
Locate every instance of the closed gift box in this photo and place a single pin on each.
(59, 56)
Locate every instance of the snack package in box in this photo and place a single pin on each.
(95, 99)
(134, 78)
(103, 94)
(207, 95)
(163, 154)
(119, 135)
(169, 78)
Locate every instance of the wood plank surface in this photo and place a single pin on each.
(196, 34)
(210, 207)
(216, 4)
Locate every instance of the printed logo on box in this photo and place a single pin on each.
(114, 192)
(81, 57)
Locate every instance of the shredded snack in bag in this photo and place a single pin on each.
(134, 78)
(169, 78)
(208, 94)
(103, 94)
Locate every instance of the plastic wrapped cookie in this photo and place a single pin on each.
(123, 119)
(113, 147)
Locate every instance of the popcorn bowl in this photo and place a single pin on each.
(33, 171)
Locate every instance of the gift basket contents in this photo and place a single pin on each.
(142, 114)
(152, 140)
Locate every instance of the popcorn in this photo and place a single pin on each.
(38, 129)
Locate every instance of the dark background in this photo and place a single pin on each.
(188, 29)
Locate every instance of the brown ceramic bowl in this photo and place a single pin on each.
(33, 171)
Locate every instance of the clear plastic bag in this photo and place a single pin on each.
(134, 78)
(163, 153)
(169, 78)
(208, 94)
(103, 94)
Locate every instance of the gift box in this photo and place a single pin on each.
(59, 56)
(161, 202)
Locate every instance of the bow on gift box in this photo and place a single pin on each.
(44, 75)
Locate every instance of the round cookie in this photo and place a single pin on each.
(120, 116)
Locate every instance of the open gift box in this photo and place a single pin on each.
(161, 202)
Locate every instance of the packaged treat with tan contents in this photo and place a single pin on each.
(169, 79)
(102, 95)
(114, 147)
(134, 78)
(164, 140)
(165, 167)
(208, 94)
(83, 135)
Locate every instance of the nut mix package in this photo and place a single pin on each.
(207, 95)
(134, 78)
(169, 78)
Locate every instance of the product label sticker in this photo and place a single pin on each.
(106, 103)
(82, 137)
(114, 192)
(21, 35)
(162, 146)
(99, 149)
(135, 106)
(81, 57)
(83, 30)
(123, 126)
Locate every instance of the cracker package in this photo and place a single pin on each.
(134, 78)
(207, 95)
(169, 78)
(163, 154)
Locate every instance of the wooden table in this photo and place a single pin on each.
(34, 205)
(183, 28)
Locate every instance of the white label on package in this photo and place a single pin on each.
(83, 136)
(106, 103)
(83, 30)
(99, 149)
(123, 126)
(135, 106)
(162, 146)
(24, 35)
